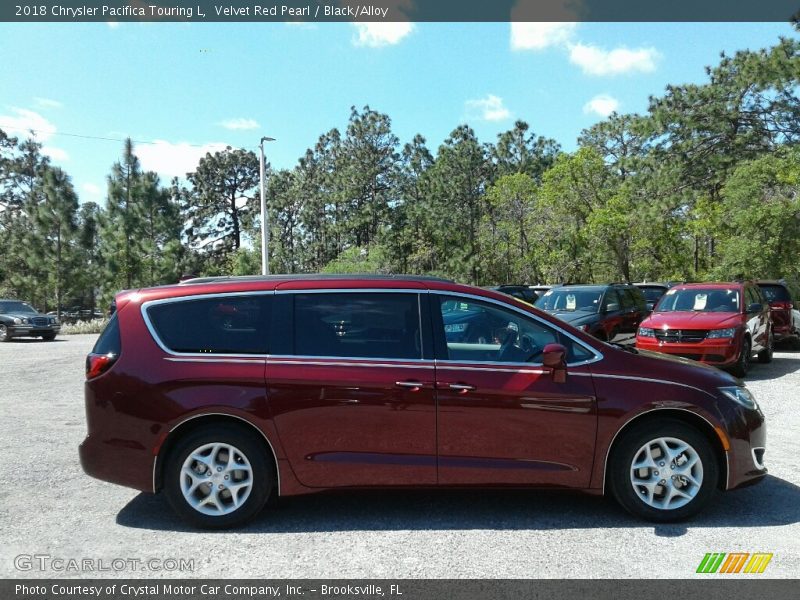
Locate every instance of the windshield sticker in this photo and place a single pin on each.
(572, 302)
(700, 301)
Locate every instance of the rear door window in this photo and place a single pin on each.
(357, 325)
(217, 325)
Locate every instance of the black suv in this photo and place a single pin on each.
(605, 311)
(653, 291)
(20, 319)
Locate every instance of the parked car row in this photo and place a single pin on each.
(722, 324)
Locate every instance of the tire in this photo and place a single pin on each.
(4, 337)
(742, 365)
(49, 337)
(765, 356)
(211, 444)
(643, 500)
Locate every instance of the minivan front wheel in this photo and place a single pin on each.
(218, 477)
(664, 471)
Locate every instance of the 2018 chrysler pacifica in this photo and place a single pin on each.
(225, 392)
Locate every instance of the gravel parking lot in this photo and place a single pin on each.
(50, 507)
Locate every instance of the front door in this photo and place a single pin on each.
(352, 394)
(503, 419)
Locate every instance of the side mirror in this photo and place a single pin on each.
(554, 357)
(755, 307)
(612, 306)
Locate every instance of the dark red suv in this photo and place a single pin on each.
(225, 392)
(777, 294)
(721, 324)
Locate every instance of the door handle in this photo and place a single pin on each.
(414, 386)
(461, 387)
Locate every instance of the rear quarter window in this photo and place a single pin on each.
(109, 341)
(218, 325)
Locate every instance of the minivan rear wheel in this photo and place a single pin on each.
(218, 477)
(663, 472)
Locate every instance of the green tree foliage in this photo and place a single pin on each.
(703, 184)
(222, 199)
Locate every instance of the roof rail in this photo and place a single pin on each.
(310, 276)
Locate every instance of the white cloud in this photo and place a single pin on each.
(22, 121)
(92, 189)
(375, 35)
(489, 108)
(598, 61)
(173, 160)
(240, 124)
(538, 36)
(602, 105)
(56, 154)
(47, 103)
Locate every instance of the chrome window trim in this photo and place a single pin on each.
(596, 353)
(148, 323)
(515, 367)
(336, 361)
(632, 419)
(271, 447)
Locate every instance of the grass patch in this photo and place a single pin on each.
(93, 326)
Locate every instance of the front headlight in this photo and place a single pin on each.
(647, 332)
(17, 321)
(740, 395)
(455, 328)
(722, 333)
(53, 321)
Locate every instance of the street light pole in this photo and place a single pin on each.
(264, 216)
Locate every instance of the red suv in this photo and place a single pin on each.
(781, 308)
(224, 392)
(721, 324)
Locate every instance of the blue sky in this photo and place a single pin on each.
(194, 87)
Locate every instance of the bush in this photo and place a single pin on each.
(93, 326)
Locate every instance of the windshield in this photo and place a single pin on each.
(570, 300)
(652, 294)
(16, 307)
(700, 300)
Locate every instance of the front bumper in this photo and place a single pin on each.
(747, 455)
(719, 352)
(32, 330)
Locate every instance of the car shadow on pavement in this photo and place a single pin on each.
(781, 365)
(774, 502)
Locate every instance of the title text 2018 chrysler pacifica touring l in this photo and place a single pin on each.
(224, 392)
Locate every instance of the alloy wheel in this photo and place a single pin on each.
(216, 479)
(666, 473)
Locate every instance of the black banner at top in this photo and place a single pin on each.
(398, 10)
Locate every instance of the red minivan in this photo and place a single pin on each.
(721, 324)
(225, 392)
